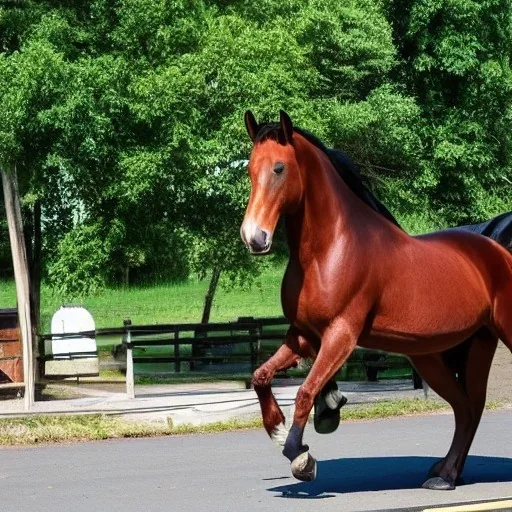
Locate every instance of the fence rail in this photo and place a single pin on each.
(206, 346)
(210, 343)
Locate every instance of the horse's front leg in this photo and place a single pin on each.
(273, 418)
(338, 342)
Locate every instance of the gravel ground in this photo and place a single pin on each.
(500, 379)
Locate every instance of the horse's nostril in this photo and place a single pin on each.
(259, 241)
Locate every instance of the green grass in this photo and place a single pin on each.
(55, 429)
(145, 380)
(401, 407)
(165, 303)
(392, 408)
(94, 427)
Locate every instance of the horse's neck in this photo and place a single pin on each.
(329, 212)
(326, 208)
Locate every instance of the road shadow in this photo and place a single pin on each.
(364, 474)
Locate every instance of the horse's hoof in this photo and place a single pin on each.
(327, 414)
(304, 467)
(435, 469)
(335, 399)
(438, 483)
(327, 421)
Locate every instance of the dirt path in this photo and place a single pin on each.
(499, 387)
(500, 379)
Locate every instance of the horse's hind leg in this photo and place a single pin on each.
(475, 378)
(471, 363)
(440, 377)
(460, 377)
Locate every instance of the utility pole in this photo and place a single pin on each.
(21, 277)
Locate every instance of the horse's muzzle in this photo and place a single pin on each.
(257, 240)
(260, 242)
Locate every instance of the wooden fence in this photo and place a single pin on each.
(215, 346)
(246, 342)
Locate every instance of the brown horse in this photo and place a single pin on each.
(354, 277)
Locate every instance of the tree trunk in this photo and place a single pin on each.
(36, 269)
(22, 278)
(210, 294)
(32, 230)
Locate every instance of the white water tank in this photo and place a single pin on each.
(73, 355)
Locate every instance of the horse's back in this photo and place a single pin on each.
(477, 247)
(486, 260)
(438, 287)
(498, 228)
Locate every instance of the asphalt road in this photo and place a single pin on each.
(363, 466)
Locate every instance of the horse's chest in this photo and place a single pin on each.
(308, 300)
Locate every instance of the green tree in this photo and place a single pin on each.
(27, 82)
(133, 140)
(455, 59)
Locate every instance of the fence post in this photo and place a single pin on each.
(130, 379)
(177, 360)
(259, 333)
(253, 333)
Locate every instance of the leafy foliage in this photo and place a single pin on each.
(456, 61)
(125, 118)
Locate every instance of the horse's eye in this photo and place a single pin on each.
(279, 168)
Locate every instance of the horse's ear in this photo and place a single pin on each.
(286, 126)
(251, 124)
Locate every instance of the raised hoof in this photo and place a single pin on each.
(437, 483)
(327, 414)
(304, 467)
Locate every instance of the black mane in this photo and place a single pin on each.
(498, 228)
(343, 164)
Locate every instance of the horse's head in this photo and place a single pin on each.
(276, 184)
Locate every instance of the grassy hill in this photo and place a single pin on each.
(165, 303)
